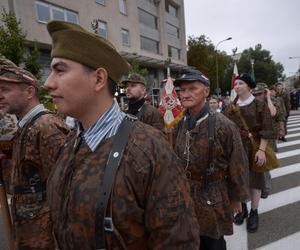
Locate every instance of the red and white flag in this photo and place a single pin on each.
(170, 107)
(234, 76)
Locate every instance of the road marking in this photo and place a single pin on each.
(280, 199)
(294, 129)
(239, 239)
(288, 154)
(294, 168)
(293, 122)
(292, 135)
(293, 125)
(287, 144)
(291, 242)
(294, 119)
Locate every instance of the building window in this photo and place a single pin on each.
(125, 37)
(58, 14)
(147, 19)
(171, 9)
(122, 6)
(46, 12)
(149, 45)
(174, 53)
(172, 30)
(43, 12)
(100, 2)
(102, 29)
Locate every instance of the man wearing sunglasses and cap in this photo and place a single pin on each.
(214, 161)
(118, 184)
(36, 144)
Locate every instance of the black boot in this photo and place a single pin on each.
(239, 218)
(252, 222)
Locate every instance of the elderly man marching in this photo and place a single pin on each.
(35, 147)
(211, 150)
(118, 184)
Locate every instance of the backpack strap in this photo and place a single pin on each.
(103, 223)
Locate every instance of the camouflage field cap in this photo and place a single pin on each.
(71, 41)
(9, 72)
(135, 78)
(260, 87)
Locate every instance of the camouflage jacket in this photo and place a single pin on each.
(150, 206)
(229, 180)
(35, 151)
(150, 115)
(286, 99)
(258, 119)
(279, 117)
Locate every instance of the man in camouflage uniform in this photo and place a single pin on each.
(284, 94)
(262, 93)
(218, 185)
(150, 206)
(135, 92)
(36, 143)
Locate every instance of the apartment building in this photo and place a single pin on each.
(150, 32)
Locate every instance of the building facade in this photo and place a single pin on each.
(149, 32)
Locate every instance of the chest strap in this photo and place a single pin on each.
(103, 223)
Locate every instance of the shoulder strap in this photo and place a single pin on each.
(211, 138)
(104, 224)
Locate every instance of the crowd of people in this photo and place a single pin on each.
(115, 182)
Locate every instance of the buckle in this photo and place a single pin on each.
(108, 224)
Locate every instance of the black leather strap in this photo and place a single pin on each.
(211, 138)
(104, 224)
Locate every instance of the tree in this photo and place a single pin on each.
(265, 68)
(12, 38)
(202, 55)
(12, 44)
(32, 63)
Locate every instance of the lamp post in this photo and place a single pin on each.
(296, 57)
(217, 66)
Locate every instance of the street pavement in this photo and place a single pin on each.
(279, 214)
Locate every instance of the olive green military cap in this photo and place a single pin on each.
(135, 78)
(71, 41)
(260, 87)
(9, 72)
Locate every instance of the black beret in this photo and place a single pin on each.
(247, 79)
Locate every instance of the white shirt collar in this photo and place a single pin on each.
(246, 102)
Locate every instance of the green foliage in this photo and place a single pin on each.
(46, 99)
(32, 63)
(12, 38)
(201, 54)
(266, 70)
(136, 68)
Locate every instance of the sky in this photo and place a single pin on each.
(273, 23)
